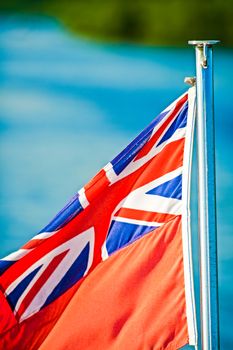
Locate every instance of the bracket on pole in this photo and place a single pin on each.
(203, 45)
(190, 81)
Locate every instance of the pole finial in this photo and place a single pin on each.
(203, 46)
(202, 43)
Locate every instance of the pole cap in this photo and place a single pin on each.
(203, 42)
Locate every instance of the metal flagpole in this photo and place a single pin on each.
(207, 194)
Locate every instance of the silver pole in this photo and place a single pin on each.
(207, 195)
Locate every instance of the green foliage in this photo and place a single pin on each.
(156, 22)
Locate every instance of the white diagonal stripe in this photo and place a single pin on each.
(16, 255)
(44, 235)
(75, 246)
(135, 165)
(82, 198)
(138, 199)
(137, 222)
(154, 203)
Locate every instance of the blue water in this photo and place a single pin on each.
(68, 106)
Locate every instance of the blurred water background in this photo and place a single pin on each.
(69, 105)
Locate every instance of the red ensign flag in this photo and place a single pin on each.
(113, 269)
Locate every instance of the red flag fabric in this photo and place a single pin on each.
(133, 300)
(113, 269)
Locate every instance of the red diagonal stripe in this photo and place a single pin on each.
(33, 243)
(41, 280)
(146, 149)
(144, 215)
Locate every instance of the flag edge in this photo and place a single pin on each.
(186, 222)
